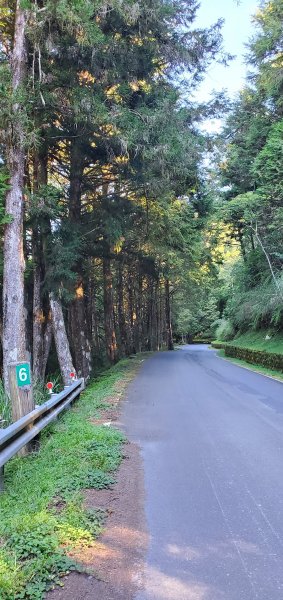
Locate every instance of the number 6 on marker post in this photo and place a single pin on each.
(23, 375)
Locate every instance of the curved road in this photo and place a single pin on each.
(211, 437)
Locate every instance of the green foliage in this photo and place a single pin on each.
(224, 330)
(251, 170)
(255, 304)
(5, 408)
(258, 357)
(4, 187)
(269, 340)
(41, 512)
(266, 49)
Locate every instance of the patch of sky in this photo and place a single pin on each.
(238, 28)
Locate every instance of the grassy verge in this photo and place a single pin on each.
(242, 363)
(42, 515)
(256, 340)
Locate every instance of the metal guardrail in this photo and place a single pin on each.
(20, 433)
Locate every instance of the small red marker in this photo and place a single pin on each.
(49, 386)
(73, 375)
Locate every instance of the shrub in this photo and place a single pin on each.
(218, 345)
(256, 357)
(225, 330)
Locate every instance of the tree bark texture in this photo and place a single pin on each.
(61, 339)
(78, 324)
(38, 322)
(80, 334)
(39, 318)
(170, 343)
(138, 313)
(14, 337)
(121, 313)
(47, 340)
(109, 324)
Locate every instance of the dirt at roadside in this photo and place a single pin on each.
(116, 558)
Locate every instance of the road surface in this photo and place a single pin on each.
(211, 437)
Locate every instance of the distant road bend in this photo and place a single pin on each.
(211, 437)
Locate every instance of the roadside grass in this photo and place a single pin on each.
(5, 411)
(40, 394)
(257, 368)
(42, 514)
(256, 340)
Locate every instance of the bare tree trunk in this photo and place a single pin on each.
(39, 319)
(121, 313)
(155, 317)
(110, 335)
(47, 339)
(148, 319)
(170, 343)
(80, 334)
(131, 319)
(14, 336)
(61, 340)
(93, 317)
(137, 325)
(78, 325)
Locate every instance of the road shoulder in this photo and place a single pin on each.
(250, 367)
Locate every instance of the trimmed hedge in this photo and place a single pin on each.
(256, 357)
(218, 345)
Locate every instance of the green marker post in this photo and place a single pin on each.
(20, 387)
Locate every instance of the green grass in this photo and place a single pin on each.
(40, 395)
(42, 515)
(258, 369)
(5, 410)
(256, 340)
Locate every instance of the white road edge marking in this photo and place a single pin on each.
(247, 368)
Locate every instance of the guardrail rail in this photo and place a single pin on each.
(20, 433)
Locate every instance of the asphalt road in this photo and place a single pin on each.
(211, 437)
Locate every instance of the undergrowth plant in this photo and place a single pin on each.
(5, 408)
(40, 394)
(42, 515)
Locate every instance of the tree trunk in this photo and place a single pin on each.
(78, 325)
(131, 319)
(39, 319)
(61, 340)
(121, 313)
(92, 315)
(14, 337)
(149, 310)
(76, 175)
(80, 334)
(109, 325)
(155, 317)
(47, 340)
(170, 343)
(138, 308)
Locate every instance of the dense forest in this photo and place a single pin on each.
(244, 174)
(125, 226)
(249, 155)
